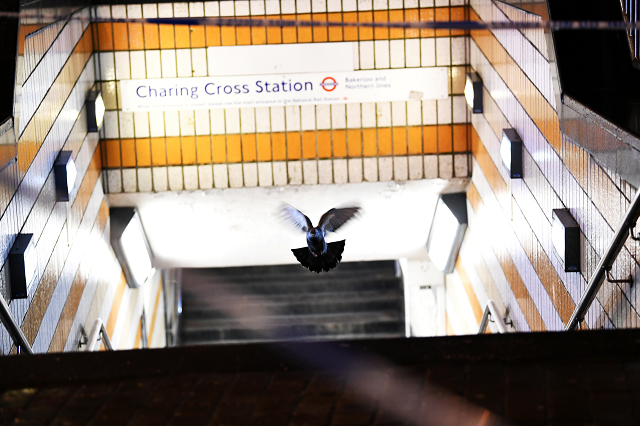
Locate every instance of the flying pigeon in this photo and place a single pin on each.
(319, 255)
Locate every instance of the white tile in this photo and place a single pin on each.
(126, 124)
(383, 111)
(199, 62)
(110, 125)
(459, 109)
(202, 122)
(109, 94)
(323, 117)
(119, 12)
(190, 177)
(367, 58)
(458, 56)
(272, 7)
(154, 67)
(334, 6)
(277, 119)
(156, 124)
(168, 60)
(265, 174)
(295, 172)
(370, 169)
(250, 174)
(365, 4)
(397, 53)
(175, 178)
(411, 4)
(443, 51)
(380, 4)
(287, 6)
(325, 172)
(220, 176)
(412, 47)
(138, 64)
(355, 170)
(442, 3)
(160, 179)
(187, 123)
(103, 12)
(340, 172)
(308, 117)
(338, 116)
(318, 6)
(248, 120)
(292, 117)
(445, 166)
(385, 169)
(226, 8)
(310, 172)
(217, 122)
(205, 176)
(141, 124)
(107, 66)
(263, 120)
(368, 114)
(381, 48)
(145, 182)
(349, 5)
(395, 4)
(414, 113)
(429, 113)
(461, 165)
(400, 168)
(353, 116)
(196, 9)
(242, 8)
(356, 56)
(415, 167)
(399, 113)
(280, 173)
(165, 10)
(184, 62)
(426, 3)
(428, 52)
(172, 123)
(150, 10)
(211, 8)
(232, 120)
(444, 111)
(181, 10)
(114, 181)
(257, 7)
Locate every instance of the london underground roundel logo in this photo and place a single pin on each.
(329, 84)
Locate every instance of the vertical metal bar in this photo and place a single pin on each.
(16, 333)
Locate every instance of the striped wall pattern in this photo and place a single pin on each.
(176, 150)
(507, 253)
(77, 275)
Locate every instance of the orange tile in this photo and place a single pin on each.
(151, 38)
(427, 15)
(442, 15)
(183, 36)
(112, 147)
(174, 156)
(320, 34)
(105, 36)
(94, 31)
(384, 141)
(365, 33)
(354, 142)
(412, 15)
(370, 142)
(289, 34)
(445, 138)
(350, 33)
(158, 152)
(460, 143)
(188, 150)
(279, 144)
(324, 143)
(381, 33)
(264, 147)
(234, 149)
(213, 35)
(399, 141)
(335, 33)
(258, 35)
(305, 34)
(249, 147)
(120, 36)
(339, 142)
(228, 36)
(167, 38)
(219, 148)
(458, 14)
(396, 16)
(203, 149)
(415, 140)
(274, 35)
(143, 152)
(197, 36)
(293, 145)
(128, 148)
(136, 39)
(309, 144)
(243, 35)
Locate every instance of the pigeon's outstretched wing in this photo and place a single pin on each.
(324, 262)
(335, 218)
(296, 217)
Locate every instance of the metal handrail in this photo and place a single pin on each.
(493, 311)
(606, 263)
(97, 331)
(12, 327)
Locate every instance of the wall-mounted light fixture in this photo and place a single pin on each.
(565, 235)
(447, 230)
(511, 152)
(473, 92)
(94, 107)
(130, 245)
(23, 261)
(65, 173)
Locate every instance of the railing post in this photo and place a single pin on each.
(16, 333)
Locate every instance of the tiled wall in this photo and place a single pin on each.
(77, 277)
(176, 150)
(507, 254)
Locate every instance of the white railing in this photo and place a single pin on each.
(492, 313)
(98, 333)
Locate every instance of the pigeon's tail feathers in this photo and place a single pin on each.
(324, 262)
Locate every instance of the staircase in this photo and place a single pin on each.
(287, 302)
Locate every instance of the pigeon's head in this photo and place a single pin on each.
(312, 232)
